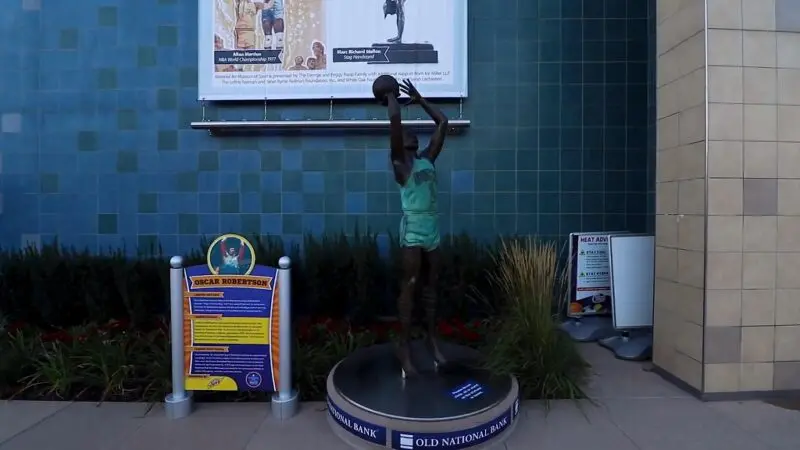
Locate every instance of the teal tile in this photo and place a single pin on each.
(167, 99)
(355, 160)
(271, 160)
(48, 183)
(355, 182)
(334, 203)
(87, 141)
(168, 140)
(354, 223)
(167, 36)
(107, 78)
(292, 181)
(188, 115)
(292, 143)
(107, 223)
(68, 39)
(228, 203)
(148, 203)
(147, 243)
(250, 182)
(208, 161)
(127, 119)
(187, 182)
(187, 224)
(334, 160)
(354, 143)
(238, 143)
(107, 16)
(251, 224)
(292, 224)
(270, 203)
(314, 203)
(314, 160)
(127, 161)
(187, 77)
(377, 203)
(335, 223)
(335, 182)
(146, 57)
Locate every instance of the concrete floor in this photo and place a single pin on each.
(631, 409)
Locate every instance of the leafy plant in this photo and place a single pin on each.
(54, 372)
(525, 340)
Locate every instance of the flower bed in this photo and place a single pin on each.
(113, 362)
(499, 299)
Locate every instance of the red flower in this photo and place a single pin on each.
(13, 327)
(445, 329)
(470, 335)
(57, 336)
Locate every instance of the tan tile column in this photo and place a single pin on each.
(680, 191)
(750, 324)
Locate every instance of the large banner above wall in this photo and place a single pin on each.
(329, 49)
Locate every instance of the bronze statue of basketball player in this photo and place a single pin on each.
(415, 174)
(396, 8)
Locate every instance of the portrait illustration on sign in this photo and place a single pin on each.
(231, 254)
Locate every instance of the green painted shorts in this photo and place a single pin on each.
(420, 230)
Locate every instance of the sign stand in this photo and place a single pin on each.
(589, 302)
(284, 402)
(264, 352)
(632, 279)
(179, 403)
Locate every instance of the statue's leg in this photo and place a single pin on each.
(411, 259)
(432, 265)
(401, 21)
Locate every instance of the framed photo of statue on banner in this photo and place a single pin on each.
(329, 49)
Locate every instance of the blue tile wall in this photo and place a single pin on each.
(97, 151)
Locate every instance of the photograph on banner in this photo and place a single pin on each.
(315, 49)
(231, 320)
(590, 275)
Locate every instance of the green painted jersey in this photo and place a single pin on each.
(418, 195)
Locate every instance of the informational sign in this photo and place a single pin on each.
(454, 440)
(468, 391)
(590, 275)
(366, 431)
(316, 49)
(231, 320)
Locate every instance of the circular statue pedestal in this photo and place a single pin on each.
(458, 406)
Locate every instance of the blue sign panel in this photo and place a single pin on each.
(467, 391)
(232, 320)
(364, 430)
(454, 440)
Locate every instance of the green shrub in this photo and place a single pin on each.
(336, 275)
(525, 340)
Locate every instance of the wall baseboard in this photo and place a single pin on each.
(724, 396)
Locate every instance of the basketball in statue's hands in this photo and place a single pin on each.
(383, 86)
